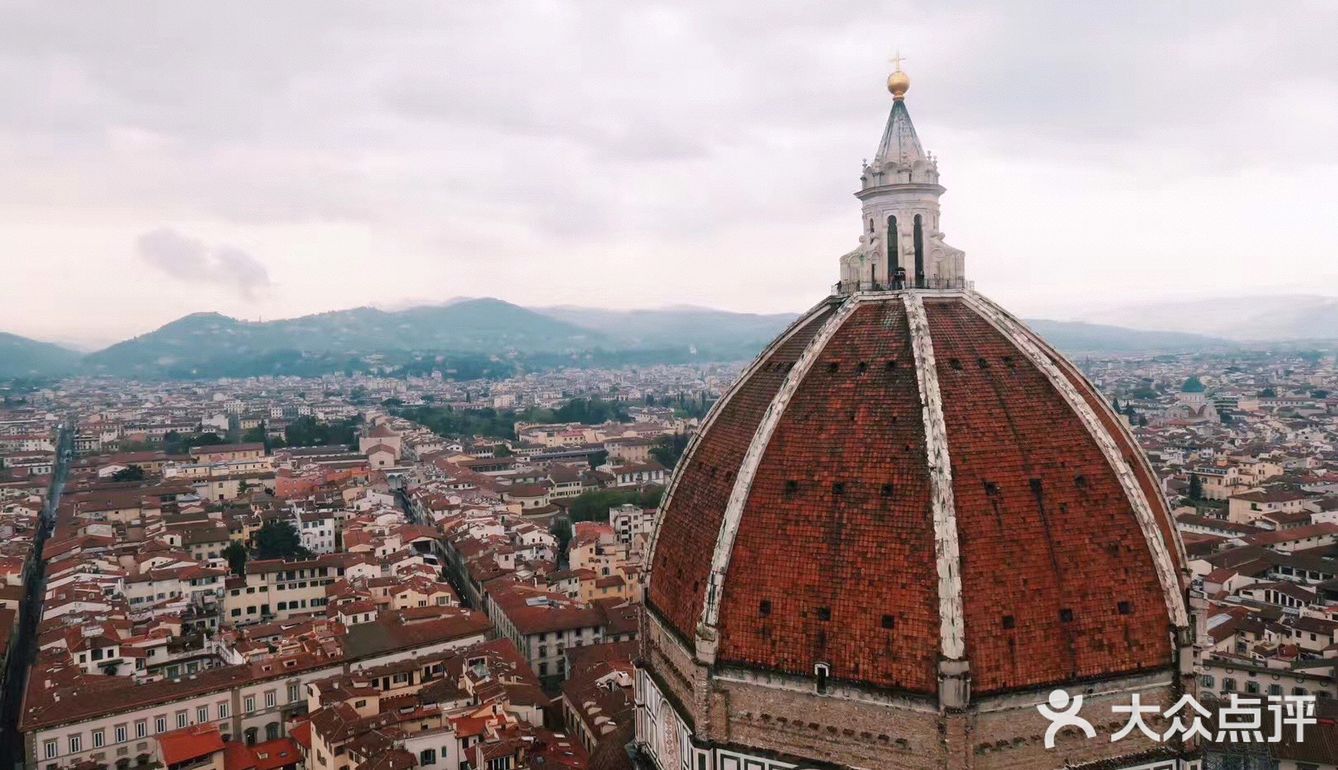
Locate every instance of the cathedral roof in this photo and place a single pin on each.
(909, 477)
(899, 145)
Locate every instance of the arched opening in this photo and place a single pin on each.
(919, 251)
(250, 735)
(873, 261)
(272, 731)
(893, 243)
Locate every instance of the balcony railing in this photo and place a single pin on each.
(922, 284)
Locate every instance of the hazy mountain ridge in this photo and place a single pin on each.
(23, 357)
(492, 337)
(702, 328)
(1080, 337)
(473, 326)
(1263, 318)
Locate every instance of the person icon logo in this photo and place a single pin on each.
(1062, 711)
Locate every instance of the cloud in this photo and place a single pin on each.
(678, 150)
(189, 259)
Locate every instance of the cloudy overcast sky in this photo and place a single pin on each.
(271, 159)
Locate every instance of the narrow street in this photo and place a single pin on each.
(25, 642)
(447, 572)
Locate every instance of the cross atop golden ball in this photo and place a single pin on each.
(898, 82)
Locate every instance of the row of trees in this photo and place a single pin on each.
(446, 421)
(501, 423)
(684, 405)
(175, 443)
(304, 431)
(308, 431)
(595, 505)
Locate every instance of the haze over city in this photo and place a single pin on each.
(273, 160)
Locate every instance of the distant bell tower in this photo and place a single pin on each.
(900, 191)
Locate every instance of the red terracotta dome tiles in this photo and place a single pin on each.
(1147, 481)
(834, 559)
(691, 521)
(1058, 583)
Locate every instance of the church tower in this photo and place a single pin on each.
(900, 192)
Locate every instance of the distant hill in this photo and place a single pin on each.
(22, 357)
(710, 332)
(1075, 337)
(209, 344)
(748, 333)
(480, 338)
(1279, 317)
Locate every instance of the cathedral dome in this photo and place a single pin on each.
(904, 478)
(906, 523)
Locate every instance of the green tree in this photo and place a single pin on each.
(131, 473)
(308, 431)
(595, 505)
(669, 448)
(598, 458)
(279, 540)
(172, 443)
(236, 555)
(175, 443)
(590, 411)
(205, 439)
(650, 496)
(562, 531)
(255, 435)
(1195, 487)
(446, 421)
(696, 406)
